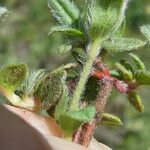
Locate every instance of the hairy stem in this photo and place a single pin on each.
(102, 96)
(93, 51)
(85, 132)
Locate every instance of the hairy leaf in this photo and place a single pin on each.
(101, 21)
(80, 55)
(140, 65)
(142, 77)
(127, 74)
(110, 120)
(12, 76)
(104, 17)
(146, 31)
(66, 30)
(28, 86)
(49, 90)
(91, 90)
(127, 65)
(122, 44)
(136, 101)
(62, 105)
(83, 115)
(64, 48)
(75, 118)
(64, 11)
(70, 8)
(65, 67)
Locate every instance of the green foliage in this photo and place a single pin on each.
(142, 77)
(75, 118)
(67, 30)
(98, 26)
(88, 31)
(63, 103)
(128, 72)
(125, 73)
(12, 76)
(64, 48)
(127, 65)
(140, 65)
(28, 86)
(146, 31)
(110, 120)
(122, 44)
(64, 11)
(50, 88)
(91, 90)
(103, 16)
(136, 101)
(134, 76)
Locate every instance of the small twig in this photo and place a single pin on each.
(84, 134)
(102, 96)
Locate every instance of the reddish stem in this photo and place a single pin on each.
(84, 134)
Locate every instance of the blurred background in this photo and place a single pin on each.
(24, 38)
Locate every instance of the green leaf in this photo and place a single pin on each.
(64, 48)
(136, 101)
(68, 125)
(127, 65)
(65, 67)
(122, 44)
(70, 8)
(140, 65)
(102, 20)
(67, 30)
(80, 55)
(115, 74)
(83, 115)
(91, 90)
(12, 76)
(104, 17)
(50, 88)
(64, 11)
(62, 105)
(146, 31)
(27, 88)
(142, 77)
(70, 121)
(110, 120)
(127, 74)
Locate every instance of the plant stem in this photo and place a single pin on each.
(102, 96)
(93, 50)
(84, 134)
